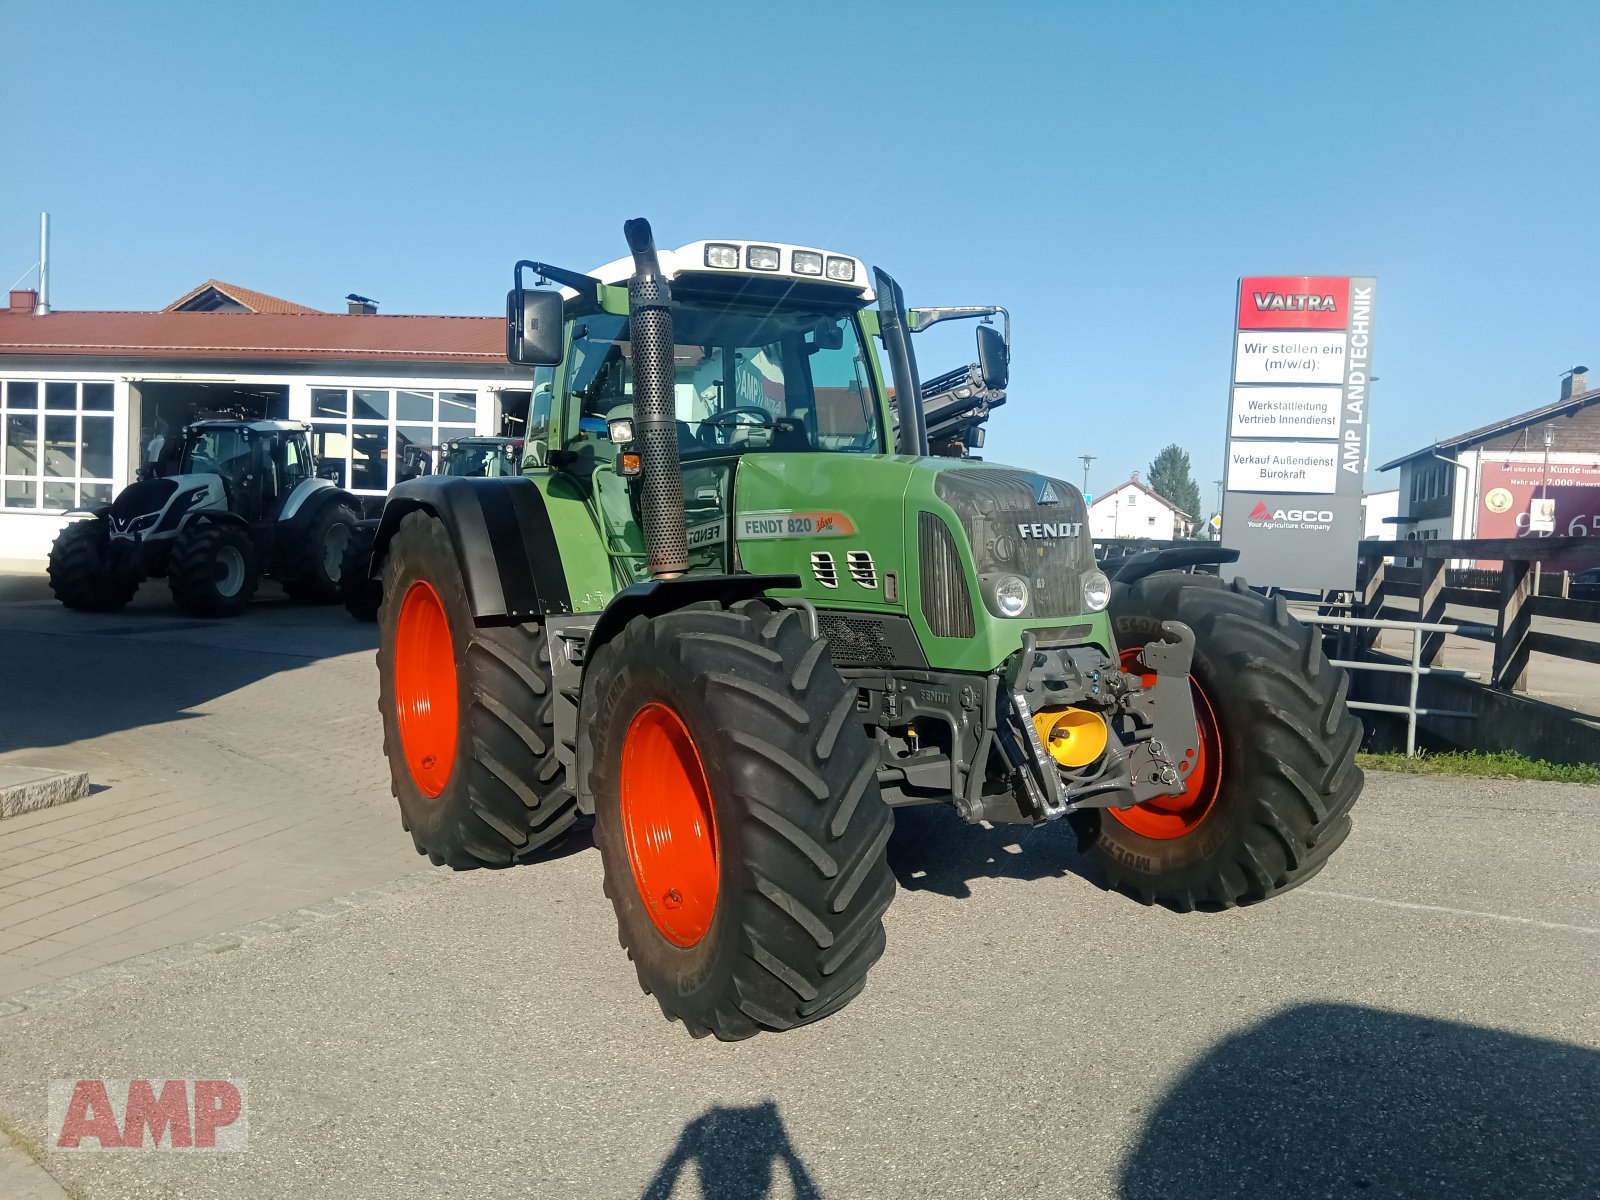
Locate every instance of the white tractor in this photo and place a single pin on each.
(246, 501)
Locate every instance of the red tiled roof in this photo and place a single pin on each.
(255, 301)
(278, 337)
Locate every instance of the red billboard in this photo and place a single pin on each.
(1509, 492)
(1294, 302)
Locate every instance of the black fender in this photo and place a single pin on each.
(503, 538)
(1174, 558)
(657, 596)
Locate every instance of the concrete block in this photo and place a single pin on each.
(24, 789)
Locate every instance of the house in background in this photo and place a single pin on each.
(83, 394)
(1133, 510)
(1534, 473)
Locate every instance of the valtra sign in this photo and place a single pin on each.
(1294, 302)
(1297, 428)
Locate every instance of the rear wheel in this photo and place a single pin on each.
(213, 570)
(362, 594)
(468, 714)
(1270, 793)
(318, 562)
(79, 572)
(738, 816)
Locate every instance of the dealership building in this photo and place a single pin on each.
(84, 394)
(1534, 473)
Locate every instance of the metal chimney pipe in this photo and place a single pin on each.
(44, 264)
(655, 423)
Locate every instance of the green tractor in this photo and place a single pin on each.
(733, 609)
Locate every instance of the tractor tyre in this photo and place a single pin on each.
(1269, 799)
(213, 570)
(317, 564)
(468, 714)
(362, 594)
(738, 817)
(78, 570)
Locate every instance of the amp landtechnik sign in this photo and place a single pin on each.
(1297, 429)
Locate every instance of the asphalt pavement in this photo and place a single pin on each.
(1420, 1020)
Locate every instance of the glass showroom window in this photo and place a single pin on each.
(378, 437)
(55, 445)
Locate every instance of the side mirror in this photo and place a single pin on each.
(533, 327)
(993, 363)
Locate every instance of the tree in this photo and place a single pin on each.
(1170, 479)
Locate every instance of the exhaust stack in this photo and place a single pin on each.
(655, 425)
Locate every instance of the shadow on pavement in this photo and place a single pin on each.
(934, 850)
(1336, 1100)
(736, 1152)
(85, 675)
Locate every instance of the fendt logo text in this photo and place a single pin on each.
(1290, 517)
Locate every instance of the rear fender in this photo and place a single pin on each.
(503, 539)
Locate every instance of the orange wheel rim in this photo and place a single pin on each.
(1167, 817)
(425, 698)
(669, 824)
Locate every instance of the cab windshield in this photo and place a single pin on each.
(223, 451)
(746, 380)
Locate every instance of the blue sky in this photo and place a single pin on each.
(1105, 171)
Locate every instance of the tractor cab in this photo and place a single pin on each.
(259, 464)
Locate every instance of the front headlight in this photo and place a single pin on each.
(722, 256)
(1011, 595)
(1096, 591)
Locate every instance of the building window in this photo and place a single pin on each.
(55, 444)
(378, 437)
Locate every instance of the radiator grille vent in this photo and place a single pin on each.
(856, 641)
(946, 602)
(862, 569)
(822, 566)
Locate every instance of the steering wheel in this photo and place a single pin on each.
(723, 423)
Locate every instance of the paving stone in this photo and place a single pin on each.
(243, 777)
(26, 789)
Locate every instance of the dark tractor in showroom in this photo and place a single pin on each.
(463, 458)
(246, 501)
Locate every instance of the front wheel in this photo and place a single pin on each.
(80, 575)
(213, 570)
(738, 817)
(1270, 794)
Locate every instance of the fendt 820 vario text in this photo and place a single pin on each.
(732, 607)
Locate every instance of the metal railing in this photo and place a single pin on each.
(1414, 668)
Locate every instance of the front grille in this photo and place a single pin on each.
(864, 640)
(1025, 525)
(946, 602)
(822, 566)
(855, 641)
(145, 496)
(862, 569)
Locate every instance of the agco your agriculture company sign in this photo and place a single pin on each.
(1297, 429)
